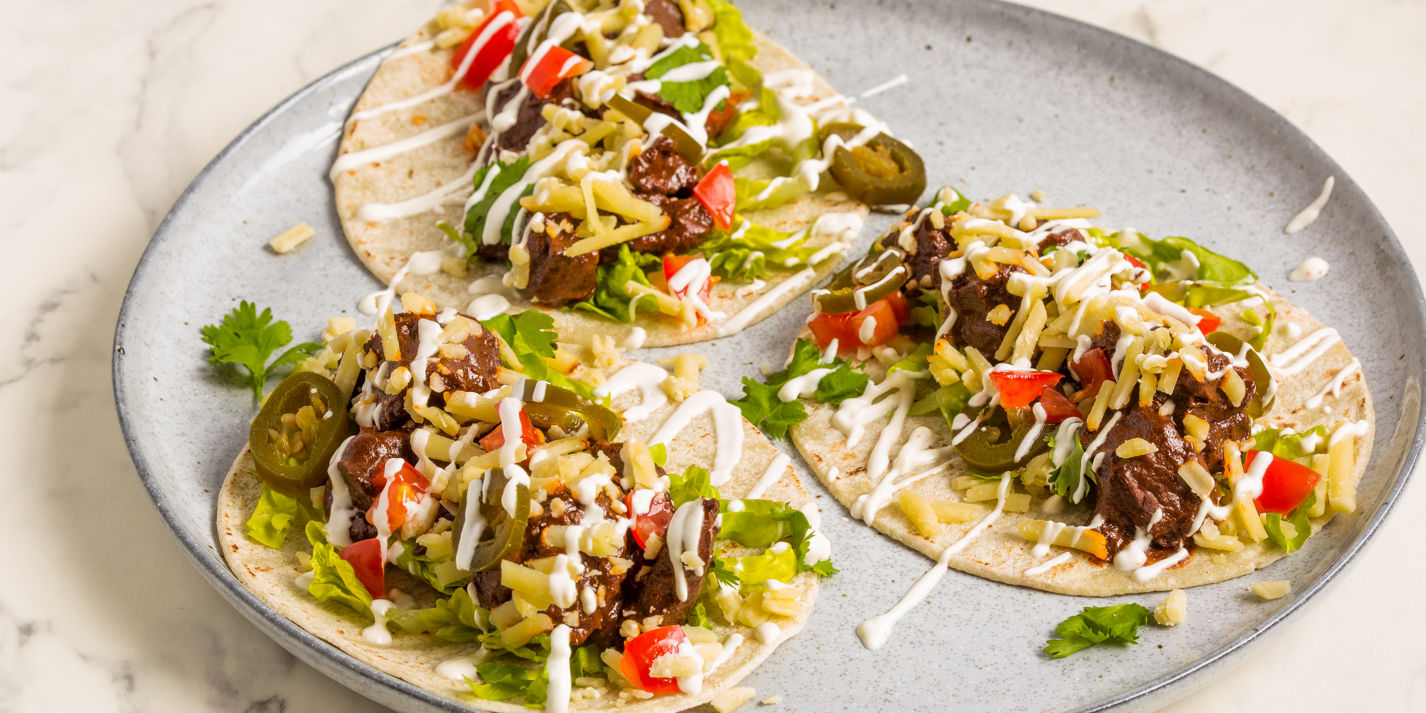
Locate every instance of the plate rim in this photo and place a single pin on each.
(386, 688)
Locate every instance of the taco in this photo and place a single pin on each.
(486, 526)
(651, 172)
(1026, 397)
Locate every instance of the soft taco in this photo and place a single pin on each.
(461, 505)
(1029, 398)
(652, 172)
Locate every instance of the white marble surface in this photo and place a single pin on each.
(108, 109)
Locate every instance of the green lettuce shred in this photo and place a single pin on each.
(761, 405)
(333, 579)
(455, 618)
(275, 516)
(610, 299)
(752, 252)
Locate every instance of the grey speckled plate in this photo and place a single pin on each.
(1001, 99)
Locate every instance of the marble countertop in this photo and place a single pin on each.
(110, 109)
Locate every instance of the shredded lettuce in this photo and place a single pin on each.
(470, 236)
(1117, 624)
(456, 618)
(440, 572)
(915, 361)
(688, 97)
(735, 41)
(761, 405)
(1301, 525)
(1293, 446)
(333, 579)
(502, 680)
(610, 299)
(691, 484)
(1175, 258)
(1064, 480)
(276, 514)
(763, 523)
(752, 571)
(950, 400)
(748, 252)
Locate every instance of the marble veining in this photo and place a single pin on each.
(112, 108)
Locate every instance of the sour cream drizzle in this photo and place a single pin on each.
(1300, 355)
(379, 153)
(1334, 387)
(775, 470)
(645, 377)
(875, 632)
(1313, 209)
(557, 669)
(1044, 567)
(728, 430)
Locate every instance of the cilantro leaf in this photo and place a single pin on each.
(688, 96)
(1118, 623)
(760, 403)
(333, 579)
(1301, 525)
(610, 299)
(531, 336)
(1064, 479)
(275, 515)
(691, 484)
(248, 338)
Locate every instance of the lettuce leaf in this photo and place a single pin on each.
(502, 680)
(748, 252)
(735, 41)
(691, 484)
(1064, 480)
(456, 619)
(763, 523)
(688, 97)
(610, 300)
(1295, 446)
(469, 237)
(276, 514)
(1301, 525)
(333, 579)
(1176, 258)
(439, 572)
(752, 571)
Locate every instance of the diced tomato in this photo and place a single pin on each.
(1092, 369)
(719, 119)
(640, 653)
(498, 44)
(653, 522)
(528, 433)
(543, 70)
(403, 494)
(716, 194)
(1057, 406)
(673, 263)
(1285, 484)
(1136, 262)
(1019, 388)
(366, 560)
(1209, 322)
(889, 313)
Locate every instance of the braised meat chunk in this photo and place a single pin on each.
(667, 15)
(449, 370)
(652, 592)
(659, 169)
(556, 279)
(689, 223)
(972, 299)
(1206, 400)
(931, 246)
(1132, 491)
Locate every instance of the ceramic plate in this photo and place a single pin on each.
(1000, 99)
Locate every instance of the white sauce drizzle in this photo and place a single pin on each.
(775, 470)
(1313, 268)
(636, 338)
(888, 85)
(1040, 569)
(557, 669)
(377, 633)
(378, 153)
(727, 429)
(875, 631)
(1298, 356)
(1148, 572)
(645, 377)
(461, 668)
(437, 197)
(1313, 209)
(338, 527)
(683, 535)
(1334, 387)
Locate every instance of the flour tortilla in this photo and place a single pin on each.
(384, 247)
(271, 574)
(1001, 554)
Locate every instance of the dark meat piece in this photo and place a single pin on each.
(651, 591)
(1207, 401)
(689, 223)
(557, 279)
(473, 372)
(359, 465)
(611, 450)
(600, 625)
(656, 103)
(528, 119)
(660, 169)
(1060, 238)
(364, 459)
(1131, 490)
(667, 15)
(1107, 339)
(932, 246)
(972, 299)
